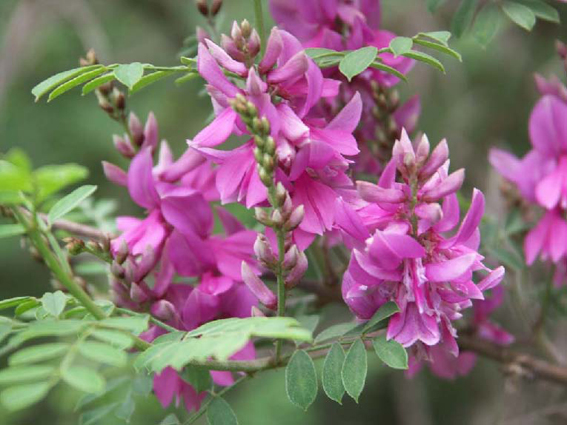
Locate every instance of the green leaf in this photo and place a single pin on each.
(38, 353)
(332, 367)
(439, 47)
(70, 202)
(19, 158)
(83, 379)
(9, 230)
(355, 369)
(385, 311)
(308, 322)
(219, 412)
(385, 68)
(314, 53)
(190, 76)
(486, 24)
(521, 15)
(26, 306)
(13, 178)
(54, 303)
(170, 419)
(219, 339)
(94, 416)
(334, 331)
(52, 178)
(301, 380)
(146, 80)
(63, 88)
(391, 352)
(441, 37)
(542, 10)
(424, 57)
(199, 378)
(47, 85)
(135, 324)
(357, 61)
(116, 338)
(97, 82)
(129, 74)
(126, 409)
(22, 396)
(433, 5)
(13, 302)
(5, 330)
(15, 375)
(463, 17)
(401, 45)
(103, 353)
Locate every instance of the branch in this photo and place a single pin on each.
(538, 368)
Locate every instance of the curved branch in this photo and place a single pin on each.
(536, 367)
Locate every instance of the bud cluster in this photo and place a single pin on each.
(386, 102)
(243, 44)
(208, 11)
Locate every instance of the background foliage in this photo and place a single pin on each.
(481, 102)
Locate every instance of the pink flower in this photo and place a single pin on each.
(409, 258)
(541, 176)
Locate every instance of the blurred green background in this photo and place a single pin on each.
(484, 101)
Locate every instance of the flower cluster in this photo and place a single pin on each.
(176, 238)
(283, 88)
(403, 252)
(541, 176)
(347, 25)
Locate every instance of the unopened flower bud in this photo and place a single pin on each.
(163, 310)
(258, 287)
(277, 218)
(393, 100)
(115, 174)
(123, 147)
(265, 176)
(251, 109)
(74, 245)
(258, 155)
(94, 246)
(146, 264)
(122, 252)
(287, 207)
(264, 252)
(265, 126)
(268, 162)
(120, 101)
(259, 141)
(280, 193)
(203, 7)
(296, 218)
(254, 44)
(246, 28)
(117, 270)
(136, 129)
(236, 33)
(422, 151)
(295, 274)
(215, 7)
(137, 294)
(437, 158)
(270, 147)
(129, 270)
(263, 217)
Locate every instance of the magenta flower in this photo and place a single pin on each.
(408, 257)
(541, 176)
(311, 151)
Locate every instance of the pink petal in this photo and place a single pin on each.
(449, 269)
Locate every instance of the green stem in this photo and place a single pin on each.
(152, 319)
(65, 277)
(260, 24)
(281, 286)
(36, 237)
